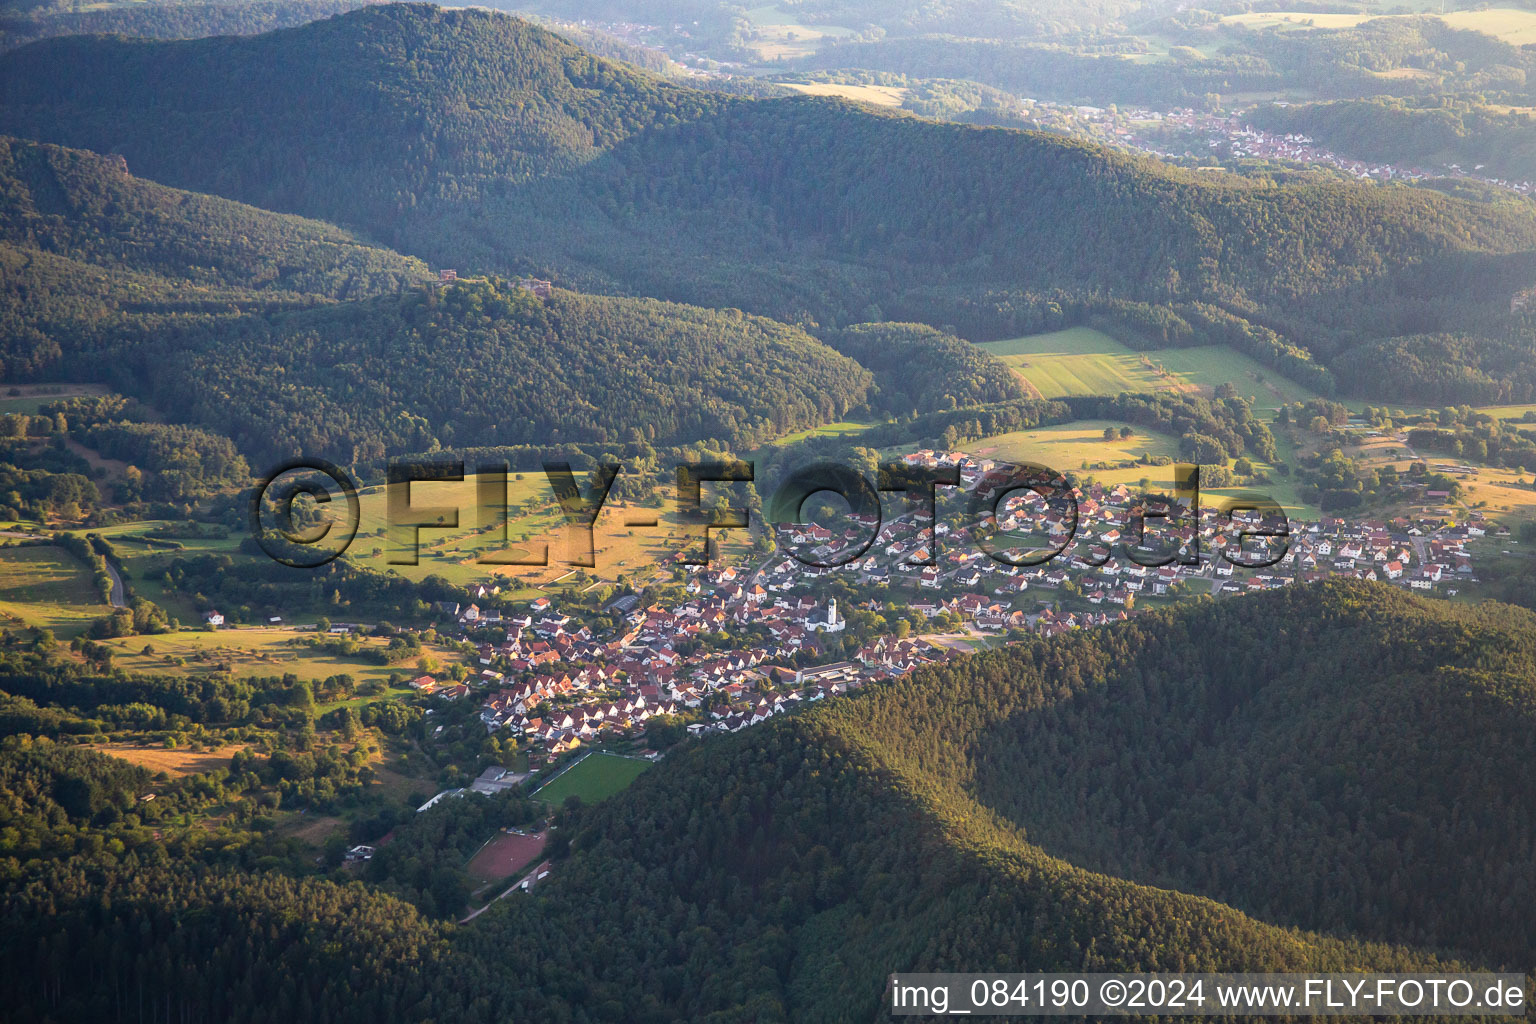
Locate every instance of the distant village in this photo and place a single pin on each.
(557, 685)
(1229, 136)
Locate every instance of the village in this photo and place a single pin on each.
(557, 685)
(1229, 136)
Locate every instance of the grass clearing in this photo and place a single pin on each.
(778, 35)
(1296, 20)
(1511, 25)
(844, 428)
(879, 95)
(596, 777)
(255, 651)
(175, 763)
(1076, 361)
(47, 587)
(621, 546)
(1085, 361)
(29, 398)
(1066, 446)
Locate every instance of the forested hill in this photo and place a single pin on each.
(231, 317)
(485, 363)
(93, 256)
(1317, 756)
(473, 139)
(355, 119)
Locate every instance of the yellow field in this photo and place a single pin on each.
(175, 763)
(1405, 74)
(1296, 19)
(1513, 26)
(1067, 446)
(455, 553)
(880, 95)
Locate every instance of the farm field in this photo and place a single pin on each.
(175, 763)
(47, 587)
(505, 855)
(1067, 446)
(454, 553)
(779, 35)
(28, 398)
(1076, 361)
(1515, 27)
(1511, 25)
(843, 428)
(880, 95)
(596, 777)
(1296, 19)
(257, 651)
(1507, 412)
(1085, 361)
(145, 563)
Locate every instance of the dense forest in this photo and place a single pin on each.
(956, 819)
(486, 363)
(96, 259)
(615, 180)
(918, 369)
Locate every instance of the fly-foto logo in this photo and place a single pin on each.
(302, 535)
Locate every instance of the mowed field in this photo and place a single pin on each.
(1067, 447)
(596, 777)
(777, 34)
(1512, 25)
(175, 763)
(47, 587)
(253, 651)
(1084, 361)
(880, 95)
(505, 855)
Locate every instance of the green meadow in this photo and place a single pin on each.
(1085, 361)
(47, 587)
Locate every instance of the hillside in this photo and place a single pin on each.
(475, 140)
(230, 315)
(487, 364)
(958, 819)
(94, 255)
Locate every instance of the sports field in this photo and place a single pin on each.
(505, 855)
(597, 777)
